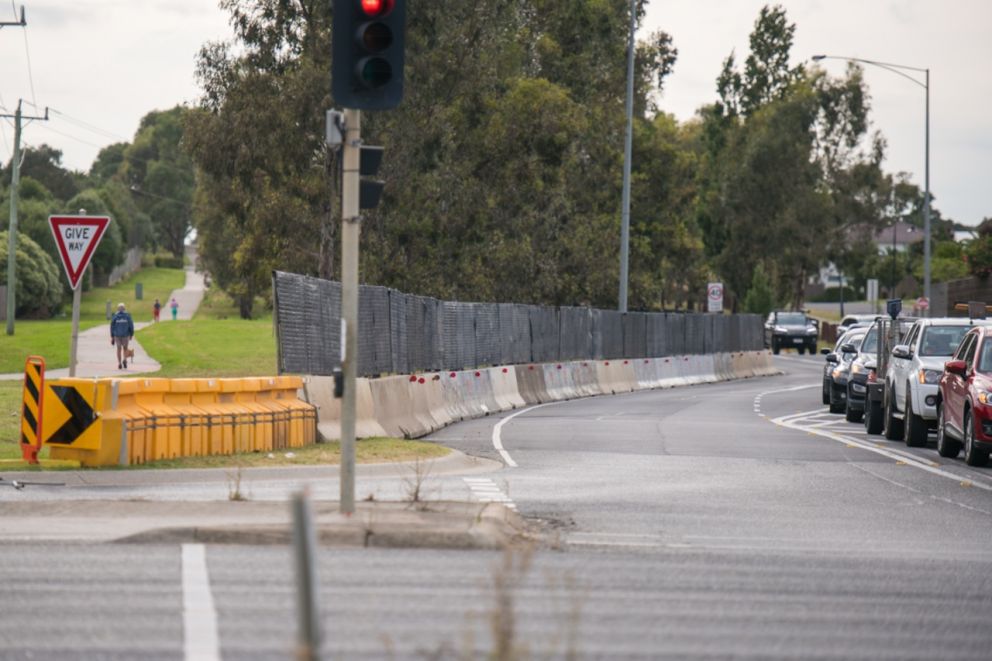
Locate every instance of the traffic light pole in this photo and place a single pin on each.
(350, 231)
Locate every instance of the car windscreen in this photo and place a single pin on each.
(941, 340)
(870, 343)
(791, 319)
(853, 337)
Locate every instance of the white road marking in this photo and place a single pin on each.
(486, 491)
(497, 436)
(791, 422)
(201, 641)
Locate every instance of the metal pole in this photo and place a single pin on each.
(625, 213)
(15, 167)
(76, 301)
(892, 294)
(350, 232)
(305, 550)
(841, 292)
(77, 294)
(926, 206)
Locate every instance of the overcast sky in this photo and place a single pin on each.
(103, 64)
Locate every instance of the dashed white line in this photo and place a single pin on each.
(201, 642)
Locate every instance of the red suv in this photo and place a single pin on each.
(964, 409)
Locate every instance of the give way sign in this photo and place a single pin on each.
(77, 238)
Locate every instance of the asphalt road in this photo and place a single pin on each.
(737, 520)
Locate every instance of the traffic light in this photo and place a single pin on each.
(367, 66)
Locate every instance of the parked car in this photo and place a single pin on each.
(964, 405)
(831, 362)
(913, 374)
(838, 369)
(785, 329)
(859, 373)
(851, 319)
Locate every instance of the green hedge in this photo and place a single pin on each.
(168, 262)
(832, 295)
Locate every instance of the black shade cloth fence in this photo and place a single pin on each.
(403, 333)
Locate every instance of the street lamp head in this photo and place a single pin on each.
(817, 58)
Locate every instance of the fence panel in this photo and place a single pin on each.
(400, 333)
(487, 344)
(575, 338)
(543, 334)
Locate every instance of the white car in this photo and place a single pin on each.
(911, 381)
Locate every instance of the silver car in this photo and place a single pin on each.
(911, 382)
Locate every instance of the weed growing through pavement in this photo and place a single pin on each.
(234, 485)
(415, 491)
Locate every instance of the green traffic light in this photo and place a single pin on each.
(374, 72)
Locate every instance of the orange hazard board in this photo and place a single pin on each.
(31, 409)
(70, 413)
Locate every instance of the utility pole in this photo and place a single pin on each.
(628, 139)
(350, 232)
(15, 178)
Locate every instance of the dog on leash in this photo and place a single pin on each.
(129, 354)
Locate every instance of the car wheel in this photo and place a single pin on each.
(826, 391)
(873, 417)
(946, 446)
(893, 425)
(775, 348)
(836, 406)
(801, 349)
(973, 456)
(916, 427)
(850, 414)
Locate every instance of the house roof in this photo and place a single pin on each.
(904, 234)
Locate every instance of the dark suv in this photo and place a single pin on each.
(784, 330)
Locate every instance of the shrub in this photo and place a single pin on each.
(168, 262)
(39, 278)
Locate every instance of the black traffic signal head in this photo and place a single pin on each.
(367, 66)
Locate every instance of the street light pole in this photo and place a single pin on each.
(895, 68)
(628, 139)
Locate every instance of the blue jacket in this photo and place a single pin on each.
(121, 325)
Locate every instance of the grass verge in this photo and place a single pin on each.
(155, 282)
(198, 348)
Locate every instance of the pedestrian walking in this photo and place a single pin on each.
(174, 304)
(121, 334)
(156, 309)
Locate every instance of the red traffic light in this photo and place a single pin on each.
(376, 8)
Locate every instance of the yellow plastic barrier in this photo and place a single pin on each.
(101, 422)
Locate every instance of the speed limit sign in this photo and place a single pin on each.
(714, 297)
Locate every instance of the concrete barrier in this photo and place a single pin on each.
(480, 398)
(669, 373)
(320, 392)
(454, 396)
(392, 399)
(616, 376)
(586, 381)
(557, 382)
(646, 371)
(505, 389)
(530, 381)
